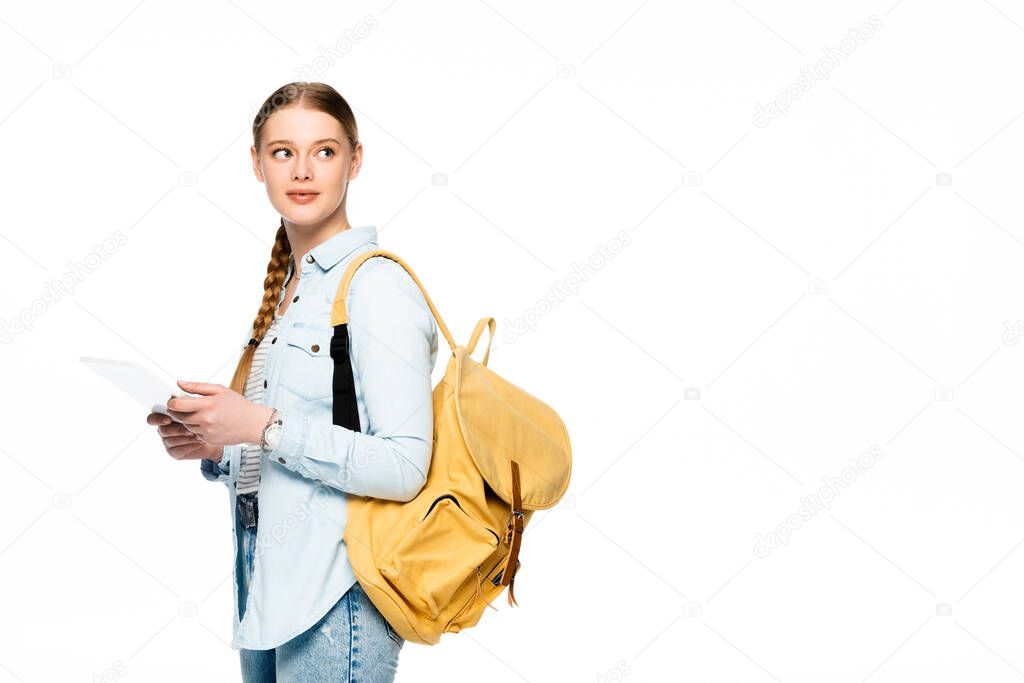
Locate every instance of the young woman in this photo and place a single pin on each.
(300, 614)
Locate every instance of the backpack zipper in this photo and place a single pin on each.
(497, 540)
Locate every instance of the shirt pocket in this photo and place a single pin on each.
(308, 369)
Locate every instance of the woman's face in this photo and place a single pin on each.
(305, 150)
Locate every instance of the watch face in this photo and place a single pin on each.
(273, 434)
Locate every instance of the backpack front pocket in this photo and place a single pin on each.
(437, 556)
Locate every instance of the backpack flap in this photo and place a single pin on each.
(502, 423)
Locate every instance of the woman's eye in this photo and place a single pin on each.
(282, 149)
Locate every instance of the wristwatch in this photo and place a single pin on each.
(272, 432)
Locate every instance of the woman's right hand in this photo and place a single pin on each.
(180, 443)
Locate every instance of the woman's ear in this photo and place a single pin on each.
(256, 163)
(356, 162)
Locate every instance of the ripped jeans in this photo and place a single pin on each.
(352, 642)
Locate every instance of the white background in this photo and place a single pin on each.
(783, 298)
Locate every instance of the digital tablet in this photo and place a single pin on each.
(139, 382)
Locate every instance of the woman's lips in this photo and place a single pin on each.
(303, 197)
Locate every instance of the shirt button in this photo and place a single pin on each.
(280, 460)
(309, 258)
(264, 384)
(295, 299)
(274, 340)
(315, 347)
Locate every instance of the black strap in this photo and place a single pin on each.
(345, 409)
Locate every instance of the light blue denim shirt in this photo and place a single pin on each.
(301, 567)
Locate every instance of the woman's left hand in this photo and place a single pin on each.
(219, 416)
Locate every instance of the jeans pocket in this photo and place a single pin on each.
(393, 634)
(366, 604)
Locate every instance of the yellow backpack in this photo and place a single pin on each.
(433, 564)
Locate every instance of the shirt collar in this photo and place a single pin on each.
(328, 253)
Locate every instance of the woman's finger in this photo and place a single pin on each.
(181, 452)
(188, 423)
(170, 441)
(187, 420)
(173, 429)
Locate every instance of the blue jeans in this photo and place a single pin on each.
(352, 642)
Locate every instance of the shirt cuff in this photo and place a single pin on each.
(292, 443)
(350, 461)
(214, 471)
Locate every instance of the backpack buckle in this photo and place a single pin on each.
(516, 528)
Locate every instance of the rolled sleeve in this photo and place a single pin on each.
(214, 471)
(393, 350)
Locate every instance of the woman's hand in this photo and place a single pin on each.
(180, 443)
(219, 416)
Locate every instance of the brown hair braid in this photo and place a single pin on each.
(312, 95)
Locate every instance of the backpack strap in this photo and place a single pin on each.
(477, 331)
(339, 310)
(513, 537)
(345, 408)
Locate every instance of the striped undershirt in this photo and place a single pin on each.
(249, 473)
